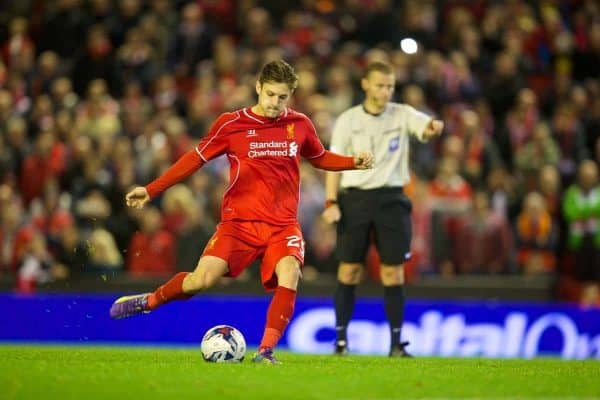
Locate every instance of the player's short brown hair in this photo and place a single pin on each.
(378, 66)
(280, 72)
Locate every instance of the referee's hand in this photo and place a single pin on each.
(363, 160)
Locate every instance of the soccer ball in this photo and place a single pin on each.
(223, 343)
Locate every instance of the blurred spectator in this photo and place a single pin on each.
(98, 115)
(450, 192)
(92, 210)
(193, 237)
(50, 213)
(47, 70)
(550, 188)
(15, 147)
(13, 233)
(421, 258)
(503, 85)
(483, 241)
(422, 154)
(537, 151)
(451, 199)
(581, 209)
(192, 42)
(18, 42)
(587, 54)
(152, 249)
(339, 89)
(178, 205)
(63, 27)
(63, 96)
(96, 62)
(125, 20)
(520, 124)
(46, 162)
(320, 251)
(136, 59)
(503, 193)
(569, 134)
(536, 235)
(103, 253)
(480, 153)
(38, 266)
(71, 251)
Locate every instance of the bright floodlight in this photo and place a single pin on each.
(409, 46)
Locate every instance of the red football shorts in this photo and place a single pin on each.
(241, 242)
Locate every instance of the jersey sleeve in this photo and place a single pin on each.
(312, 146)
(340, 135)
(416, 121)
(216, 142)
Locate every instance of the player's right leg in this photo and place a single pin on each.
(280, 271)
(181, 287)
(349, 275)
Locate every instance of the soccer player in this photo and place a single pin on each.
(373, 201)
(259, 211)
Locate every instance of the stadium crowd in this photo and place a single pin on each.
(96, 95)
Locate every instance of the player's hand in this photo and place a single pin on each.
(332, 214)
(433, 129)
(363, 160)
(137, 197)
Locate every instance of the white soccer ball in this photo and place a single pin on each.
(223, 343)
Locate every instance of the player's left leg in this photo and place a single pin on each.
(392, 278)
(229, 251)
(182, 286)
(280, 271)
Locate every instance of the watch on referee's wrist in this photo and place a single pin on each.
(330, 202)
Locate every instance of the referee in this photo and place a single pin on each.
(365, 202)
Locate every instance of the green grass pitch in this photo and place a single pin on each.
(74, 372)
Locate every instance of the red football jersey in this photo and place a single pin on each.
(264, 156)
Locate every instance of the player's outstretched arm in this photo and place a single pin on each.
(137, 197)
(433, 129)
(189, 163)
(330, 161)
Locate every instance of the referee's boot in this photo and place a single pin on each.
(400, 351)
(341, 348)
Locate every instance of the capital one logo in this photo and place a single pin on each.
(517, 335)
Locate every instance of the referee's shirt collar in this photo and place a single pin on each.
(387, 106)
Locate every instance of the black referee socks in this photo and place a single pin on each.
(344, 299)
(393, 301)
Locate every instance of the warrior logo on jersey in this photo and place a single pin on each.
(394, 144)
(251, 133)
(290, 131)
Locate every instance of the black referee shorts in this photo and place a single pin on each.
(383, 213)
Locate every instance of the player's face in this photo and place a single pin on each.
(272, 98)
(379, 88)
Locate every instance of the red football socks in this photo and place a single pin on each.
(279, 314)
(172, 290)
